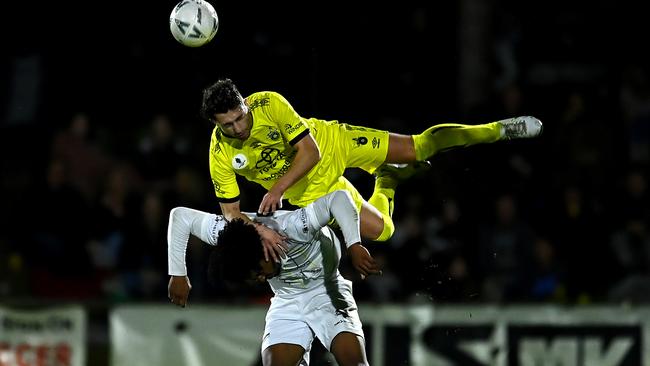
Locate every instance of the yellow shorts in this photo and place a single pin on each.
(347, 146)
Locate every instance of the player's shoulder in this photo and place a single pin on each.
(217, 136)
(217, 143)
(264, 99)
(295, 222)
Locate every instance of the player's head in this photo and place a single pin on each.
(238, 257)
(224, 105)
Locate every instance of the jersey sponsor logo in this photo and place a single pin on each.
(268, 158)
(240, 161)
(359, 141)
(289, 129)
(259, 103)
(375, 143)
(280, 173)
(216, 149)
(303, 220)
(214, 233)
(342, 321)
(216, 146)
(217, 187)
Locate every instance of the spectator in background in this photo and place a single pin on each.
(635, 105)
(56, 253)
(505, 253)
(407, 255)
(161, 151)
(190, 189)
(547, 275)
(584, 145)
(115, 209)
(86, 161)
(142, 262)
(630, 239)
(384, 289)
(632, 205)
(578, 229)
(446, 272)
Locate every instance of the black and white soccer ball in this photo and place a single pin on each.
(193, 23)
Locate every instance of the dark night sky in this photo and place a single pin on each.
(119, 59)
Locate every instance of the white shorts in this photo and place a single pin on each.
(297, 320)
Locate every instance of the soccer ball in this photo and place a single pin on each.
(193, 23)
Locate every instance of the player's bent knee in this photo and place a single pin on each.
(387, 231)
(375, 225)
(372, 232)
(380, 230)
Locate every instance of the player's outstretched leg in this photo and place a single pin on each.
(387, 177)
(414, 150)
(446, 136)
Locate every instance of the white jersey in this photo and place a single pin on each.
(314, 250)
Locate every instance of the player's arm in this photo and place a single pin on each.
(273, 243)
(296, 132)
(339, 205)
(184, 221)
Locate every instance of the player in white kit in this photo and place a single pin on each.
(311, 297)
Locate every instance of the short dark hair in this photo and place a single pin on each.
(238, 253)
(219, 97)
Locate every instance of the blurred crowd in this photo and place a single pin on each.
(563, 218)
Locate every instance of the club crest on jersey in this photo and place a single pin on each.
(273, 134)
(239, 161)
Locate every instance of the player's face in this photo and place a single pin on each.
(236, 122)
(267, 270)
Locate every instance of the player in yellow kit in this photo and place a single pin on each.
(262, 138)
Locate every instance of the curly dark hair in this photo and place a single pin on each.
(219, 97)
(237, 254)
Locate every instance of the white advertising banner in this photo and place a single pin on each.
(410, 335)
(194, 336)
(43, 337)
(507, 336)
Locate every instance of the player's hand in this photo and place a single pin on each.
(178, 290)
(271, 202)
(362, 261)
(273, 243)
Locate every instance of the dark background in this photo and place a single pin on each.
(562, 218)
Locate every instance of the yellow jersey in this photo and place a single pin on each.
(266, 155)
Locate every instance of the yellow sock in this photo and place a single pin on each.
(449, 135)
(382, 199)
